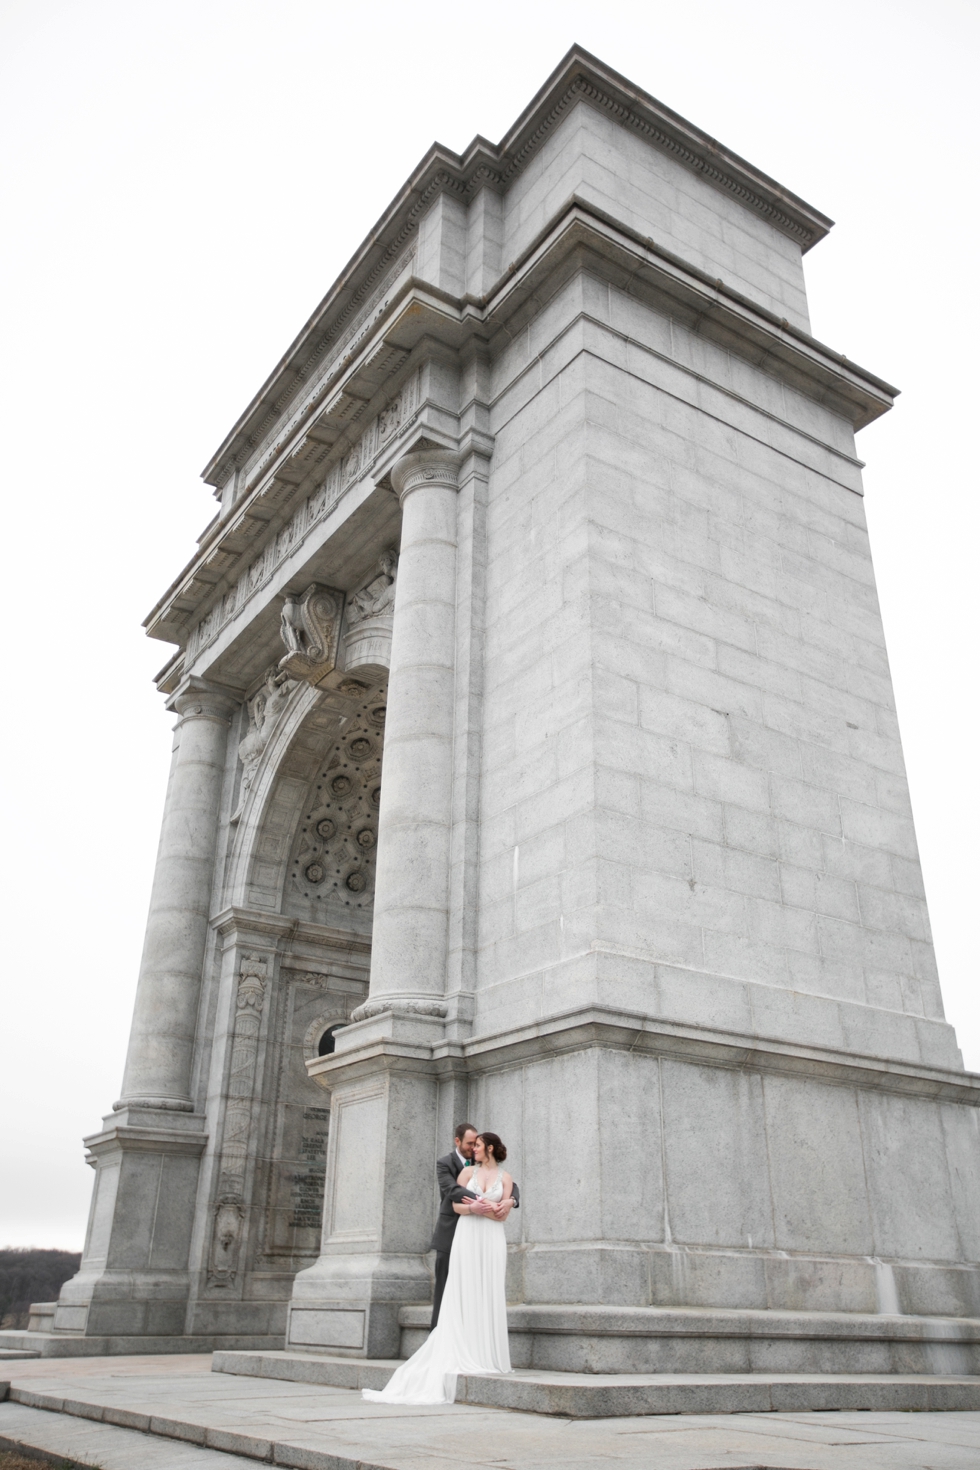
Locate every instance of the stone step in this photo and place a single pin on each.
(77, 1345)
(618, 1395)
(620, 1339)
(7, 1353)
(17, 1341)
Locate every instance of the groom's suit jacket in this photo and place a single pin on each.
(448, 1170)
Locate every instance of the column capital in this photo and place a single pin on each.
(423, 467)
(196, 699)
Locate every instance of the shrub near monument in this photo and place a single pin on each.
(30, 1275)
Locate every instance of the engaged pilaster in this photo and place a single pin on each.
(161, 1046)
(409, 941)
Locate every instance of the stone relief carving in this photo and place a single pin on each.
(229, 1219)
(310, 627)
(370, 617)
(366, 309)
(264, 709)
(319, 503)
(377, 597)
(312, 1001)
(334, 855)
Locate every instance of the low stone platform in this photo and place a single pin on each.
(174, 1413)
(30, 1344)
(604, 1339)
(615, 1395)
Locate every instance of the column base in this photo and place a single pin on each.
(134, 1282)
(379, 1198)
(349, 1305)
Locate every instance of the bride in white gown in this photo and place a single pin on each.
(471, 1335)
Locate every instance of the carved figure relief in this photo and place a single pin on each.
(333, 860)
(370, 616)
(389, 418)
(230, 1208)
(264, 709)
(376, 599)
(310, 628)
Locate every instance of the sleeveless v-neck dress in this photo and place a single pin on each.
(471, 1334)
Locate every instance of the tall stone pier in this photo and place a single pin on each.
(537, 763)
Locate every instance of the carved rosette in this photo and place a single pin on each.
(229, 1218)
(333, 860)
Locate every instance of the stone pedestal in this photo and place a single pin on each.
(378, 1195)
(133, 1281)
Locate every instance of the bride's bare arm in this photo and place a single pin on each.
(462, 1207)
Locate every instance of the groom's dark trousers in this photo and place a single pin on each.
(448, 1170)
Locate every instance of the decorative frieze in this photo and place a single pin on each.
(328, 353)
(342, 474)
(229, 1216)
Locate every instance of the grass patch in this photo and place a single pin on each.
(32, 1459)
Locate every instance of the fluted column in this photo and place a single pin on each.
(161, 1043)
(410, 933)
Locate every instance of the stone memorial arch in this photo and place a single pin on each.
(536, 760)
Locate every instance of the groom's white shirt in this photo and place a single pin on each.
(465, 1162)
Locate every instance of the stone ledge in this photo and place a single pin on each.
(603, 1396)
(724, 1322)
(76, 1345)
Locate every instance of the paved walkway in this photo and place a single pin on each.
(314, 1428)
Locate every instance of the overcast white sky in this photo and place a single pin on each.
(181, 182)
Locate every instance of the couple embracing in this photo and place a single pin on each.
(469, 1314)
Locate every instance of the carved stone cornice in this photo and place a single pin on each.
(611, 1029)
(302, 945)
(579, 77)
(147, 1140)
(427, 314)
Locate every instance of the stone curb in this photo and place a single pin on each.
(250, 1446)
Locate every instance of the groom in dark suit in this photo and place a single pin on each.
(448, 1170)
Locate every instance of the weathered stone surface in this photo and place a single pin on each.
(538, 762)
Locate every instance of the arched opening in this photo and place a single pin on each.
(328, 1041)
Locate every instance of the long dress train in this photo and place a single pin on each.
(471, 1334)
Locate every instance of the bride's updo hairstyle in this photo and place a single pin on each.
(495, 1142)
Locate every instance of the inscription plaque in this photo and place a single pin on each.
(306, 1194)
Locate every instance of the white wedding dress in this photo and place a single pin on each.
(471, 1334)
